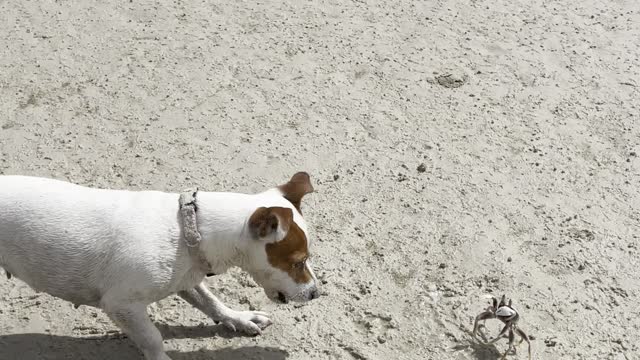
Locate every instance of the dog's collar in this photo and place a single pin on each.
(192, 237)
(188, 208)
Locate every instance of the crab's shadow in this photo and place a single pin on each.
(53, 347)
(478, 350)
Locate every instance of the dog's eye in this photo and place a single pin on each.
(299, 265)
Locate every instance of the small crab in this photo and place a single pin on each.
(509, 316)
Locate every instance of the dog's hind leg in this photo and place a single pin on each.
(249, 322)
(134, 321)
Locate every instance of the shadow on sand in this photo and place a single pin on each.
(480, 351)
(53, 347)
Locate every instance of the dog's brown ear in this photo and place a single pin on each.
(264, 223)
(296, 188)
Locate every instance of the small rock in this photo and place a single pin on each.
(509, 259)
(336, 177)
(422, 168)
(381, 339)
(451, 336)
(451, 81)
(443, 265)
(581, 267)
(364, 289)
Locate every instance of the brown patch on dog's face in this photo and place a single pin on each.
(296, 188)
(290, 254)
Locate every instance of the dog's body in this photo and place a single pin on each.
(122, 250)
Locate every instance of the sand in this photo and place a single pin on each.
(458, 149)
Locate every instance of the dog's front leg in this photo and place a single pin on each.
(249, 322)
(134, 321)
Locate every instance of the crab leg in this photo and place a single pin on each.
(504, 331)
(511, 339)
(484, 316)
(524, 338)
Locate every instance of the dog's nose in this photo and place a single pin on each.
(314, 294)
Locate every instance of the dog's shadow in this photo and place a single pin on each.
(118, 347)
(195, 332)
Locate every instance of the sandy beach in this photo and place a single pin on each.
(458, 149)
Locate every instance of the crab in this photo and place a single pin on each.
(504, 312)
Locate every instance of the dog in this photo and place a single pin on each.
(123, 250)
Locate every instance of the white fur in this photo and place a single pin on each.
(122, 250)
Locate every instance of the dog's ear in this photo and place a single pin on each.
(270, 224)
(296, 188)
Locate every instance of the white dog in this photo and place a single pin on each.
(123, 250)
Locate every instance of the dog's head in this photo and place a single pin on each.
(279, 248)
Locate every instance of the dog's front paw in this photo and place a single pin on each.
(248, 322)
